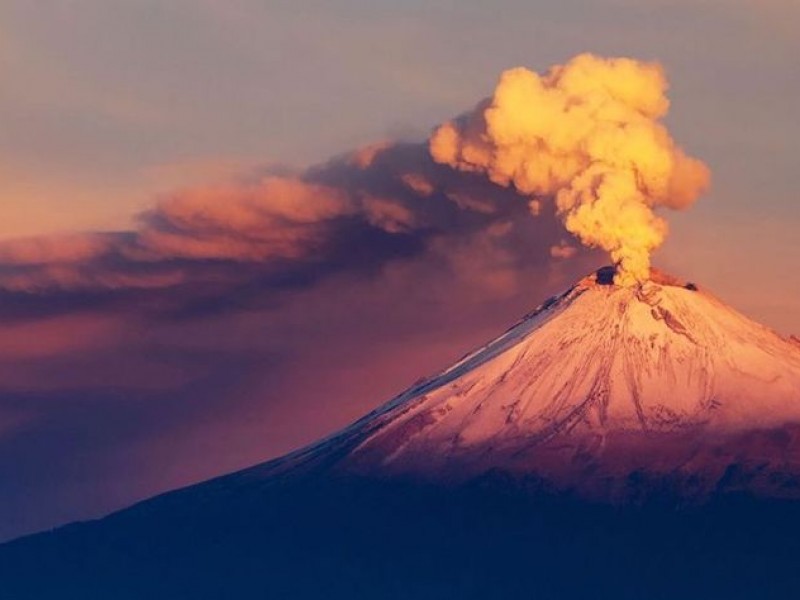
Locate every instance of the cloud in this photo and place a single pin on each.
(563, 250)
(588, 135)
(245, 242)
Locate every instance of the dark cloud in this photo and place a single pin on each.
(229, 245)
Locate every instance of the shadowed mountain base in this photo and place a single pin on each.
(317, 537)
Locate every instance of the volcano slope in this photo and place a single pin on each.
(634, 442)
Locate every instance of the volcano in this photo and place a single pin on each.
(595, 384)
(637, 441)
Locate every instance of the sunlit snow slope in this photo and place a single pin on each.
(595, 390)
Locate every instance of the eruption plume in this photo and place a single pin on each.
(587, 134)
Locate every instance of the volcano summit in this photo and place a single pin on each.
(645, 436)
(597, 383)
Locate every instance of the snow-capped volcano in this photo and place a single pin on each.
(659, 394)
(598, 383)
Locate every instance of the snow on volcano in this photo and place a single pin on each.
(594, 390)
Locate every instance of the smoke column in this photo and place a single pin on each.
(587, 134)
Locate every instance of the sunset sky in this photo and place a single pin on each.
(144, 346)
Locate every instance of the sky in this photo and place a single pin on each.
(134, 358)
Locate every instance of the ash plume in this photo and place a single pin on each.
(587, 134)
(582, 145)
